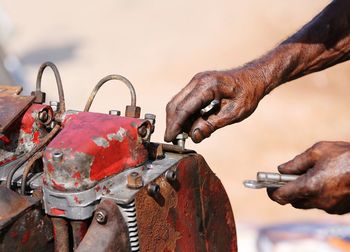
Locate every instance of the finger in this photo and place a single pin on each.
(181, 112)
(292, 191)
(203, 128)
(298, 165)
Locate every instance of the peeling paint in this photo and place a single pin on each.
(100, 141)
(119, 136)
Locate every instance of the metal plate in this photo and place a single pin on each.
(12, 107)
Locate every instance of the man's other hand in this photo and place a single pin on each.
(239, 92)
(324, 182)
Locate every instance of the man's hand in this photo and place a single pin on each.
(239, 92)
(324, 182)
(323, 42)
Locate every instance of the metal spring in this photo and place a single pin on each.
(129, 211)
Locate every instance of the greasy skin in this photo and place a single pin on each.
(324, 182)
(323, 42)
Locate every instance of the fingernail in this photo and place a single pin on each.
(197, 136)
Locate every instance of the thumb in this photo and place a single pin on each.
(298, 165)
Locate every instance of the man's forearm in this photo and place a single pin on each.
(323, 42)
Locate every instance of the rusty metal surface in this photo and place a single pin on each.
(12, 107)
(12, 205)
(79, 229)
(13, 90)
(109, 236)
(61, 234)
(192, 213)
(23, 225)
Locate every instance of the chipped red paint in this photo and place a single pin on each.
(58, 186)
(25, 236)
(76, 175)
(111, 143)
(57, 212)
(76, 199)
(4, 139)
(36, 139)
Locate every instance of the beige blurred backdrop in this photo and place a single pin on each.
(160, 45)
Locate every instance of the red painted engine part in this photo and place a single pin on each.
(26, 132)
(92, 146)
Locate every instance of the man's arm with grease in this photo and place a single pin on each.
(323, 42)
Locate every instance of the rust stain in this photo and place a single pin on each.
(155, 231)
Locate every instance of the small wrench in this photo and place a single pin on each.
(269, 180)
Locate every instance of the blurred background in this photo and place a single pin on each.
(159, 46)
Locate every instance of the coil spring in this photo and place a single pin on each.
(129, 211)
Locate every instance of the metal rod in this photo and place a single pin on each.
(62, 106)
(103, 81)
(28, 168)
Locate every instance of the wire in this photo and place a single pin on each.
(62, 107)
(28, 155)
(28, 168)
(103, 81)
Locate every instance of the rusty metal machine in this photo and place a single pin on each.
(83, 181)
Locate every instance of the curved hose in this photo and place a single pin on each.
(28, 168)
(62, 107)
(103, 81)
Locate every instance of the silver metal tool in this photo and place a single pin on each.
(269, 180)
(212, 105)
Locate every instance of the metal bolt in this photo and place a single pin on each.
(101, 216)
(142, 130)
(153, 189)
(170, 175)
(54, 105)
(114, 112)
(151, 118)
(181, 139)
(43, 116)
(134, 180)
(57, 156)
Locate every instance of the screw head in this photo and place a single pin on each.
(57, 156)
(170, 175)
(101, 216)
(153, 189)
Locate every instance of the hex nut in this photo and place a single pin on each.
(114, 112)
(132, 111)
(101, 216)
(54, 105)
(40, 97)
(134, 180)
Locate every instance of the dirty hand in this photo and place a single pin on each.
(324, 182)
(239, 92)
